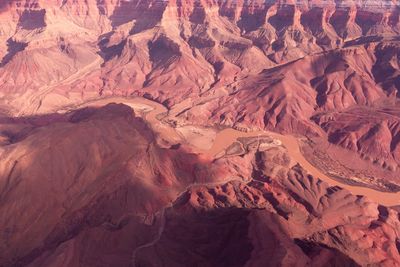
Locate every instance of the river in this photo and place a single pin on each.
(226, 137)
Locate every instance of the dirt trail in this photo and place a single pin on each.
(155, 240)
(163, 210)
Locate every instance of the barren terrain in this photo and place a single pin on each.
(199, 133)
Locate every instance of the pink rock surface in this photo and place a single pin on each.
(93, 188)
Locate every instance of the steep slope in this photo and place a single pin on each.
(93, 170)
(333, 80)
(371, 132)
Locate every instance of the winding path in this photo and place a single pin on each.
(163, 219)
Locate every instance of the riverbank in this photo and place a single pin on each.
(226, 137)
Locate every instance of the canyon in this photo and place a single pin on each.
(199, 133)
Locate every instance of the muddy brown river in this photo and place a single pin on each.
(226, 137)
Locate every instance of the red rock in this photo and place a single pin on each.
(93, 187)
